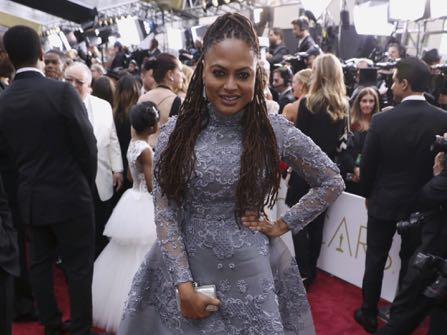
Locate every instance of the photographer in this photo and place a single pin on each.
(411, 305)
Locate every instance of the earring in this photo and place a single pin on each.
(204, 93)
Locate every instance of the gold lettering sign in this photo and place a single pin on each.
(342, 232)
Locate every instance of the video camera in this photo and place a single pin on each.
(298, 56)
(427, 263)
(386, 65)
(440, 67)
(439, 144)
(298, 61)
(438, 84)
(415, 220)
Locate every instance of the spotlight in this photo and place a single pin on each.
(399, 9)
(371, 18)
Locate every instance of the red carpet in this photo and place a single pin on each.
(333, 302)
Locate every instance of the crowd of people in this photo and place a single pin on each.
(147, 181)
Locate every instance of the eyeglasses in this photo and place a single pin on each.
(75, 81)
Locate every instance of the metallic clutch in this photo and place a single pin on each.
(209, 290)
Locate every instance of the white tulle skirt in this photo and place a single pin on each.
(131, 228)
(132, 220)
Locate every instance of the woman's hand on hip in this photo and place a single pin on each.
(259, 222)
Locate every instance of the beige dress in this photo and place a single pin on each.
(164, 98)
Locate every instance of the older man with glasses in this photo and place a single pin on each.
(110, 163)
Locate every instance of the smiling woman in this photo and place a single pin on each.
(216, 168)
(229, 75)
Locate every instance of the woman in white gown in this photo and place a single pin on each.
(131, 227)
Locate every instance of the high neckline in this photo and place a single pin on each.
(217, 118)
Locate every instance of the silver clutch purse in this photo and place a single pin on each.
(209, 290)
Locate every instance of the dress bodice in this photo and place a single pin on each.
(218, 149)
(136, 168)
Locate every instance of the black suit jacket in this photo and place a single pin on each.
(9, 250)
(307, 43)
(46, 132)
(285, 98)
(396, 158)
(278, 52)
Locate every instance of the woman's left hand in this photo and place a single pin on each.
(258, 222)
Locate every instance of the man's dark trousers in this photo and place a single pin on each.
(379, 239)
(77, 256)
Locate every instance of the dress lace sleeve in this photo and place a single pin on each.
(168, 220)
(311, 163)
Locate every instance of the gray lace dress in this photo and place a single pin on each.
(257, 279)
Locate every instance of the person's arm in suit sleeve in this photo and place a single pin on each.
(116, 161)
(369, 163)
(279, 55)
(9, 254)
(80, 131)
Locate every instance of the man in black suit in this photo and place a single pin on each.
(9, 264)
(46, 132)
(24, 310)
(301, 32)
(396, 163)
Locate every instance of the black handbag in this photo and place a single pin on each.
(345, 140)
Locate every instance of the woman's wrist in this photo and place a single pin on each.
(185, 289)
(282, 226)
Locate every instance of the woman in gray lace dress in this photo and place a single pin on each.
(217, 166)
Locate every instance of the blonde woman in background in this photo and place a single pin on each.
(272, 106)
(187, 74)
(366, 104)
(300, 87)
(321, 116)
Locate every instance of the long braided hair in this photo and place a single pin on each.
(259, 171)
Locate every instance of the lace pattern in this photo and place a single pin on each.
(311, 163)
(136, 168)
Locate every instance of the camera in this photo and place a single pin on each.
(439, 144)
(427, 263)
(415, 220)
(386, 65)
